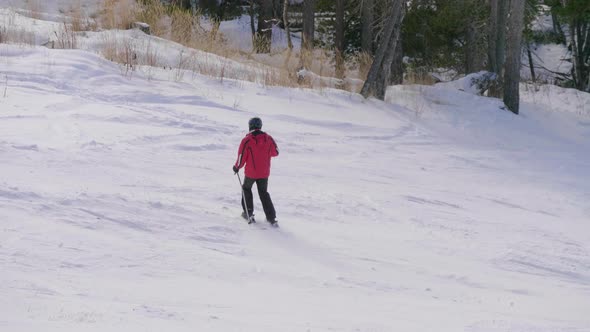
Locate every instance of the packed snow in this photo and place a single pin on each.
(435, 210)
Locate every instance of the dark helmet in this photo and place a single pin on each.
(255, 123)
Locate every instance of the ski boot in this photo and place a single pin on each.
(273, 222)
(250, 220)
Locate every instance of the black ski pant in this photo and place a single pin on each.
(262, 185)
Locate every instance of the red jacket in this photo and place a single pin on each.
(255, 152)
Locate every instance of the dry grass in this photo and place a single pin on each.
(78, 19)
(364, 61)
(150, 57)
(35, 8)
(183, 64)
(153, 13)
(181, 27)
(118, 14)
(321, 74)
(122, 51)
(275, 69)
(66, 37)
(16, 36)
(224, 69)
(280, 78)
(278, 68)
(418, 76)
(131, 53)
(324, 69)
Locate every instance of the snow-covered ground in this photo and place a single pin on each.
(550, 61)
(237, 32)
(53, 10)
(433, 211)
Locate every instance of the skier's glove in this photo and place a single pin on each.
(236, 170)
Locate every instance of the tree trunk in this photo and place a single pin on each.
(384, 79)
(496, 40)
(557, 27)
(286, 24)
(194, 4)
(471, 65)
(367, 20)
(531, 63)
(367, 34)
(397, 67)
(339, 39)
(380, 73)
(513, 55)
(277, 8)
(492, 32)
(580, 42)
(252, 26)
(307, 33)
(501, 35)
(586, 57)
(262, 42)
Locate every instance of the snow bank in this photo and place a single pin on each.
(548, 60)
(557, 99)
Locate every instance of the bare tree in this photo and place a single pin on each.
(575, 15)
(277, 8)
(194, 5)
(286, 24)
(339, 39)
(474, 36)
(513, 55)
(367, 21)
(557, 29)
(471, 57)
(531, 63)
(252, 16)
(496, 42)
(262, 42)
(380, 73)
(307, 33)
(397, 66)
(580, 46)
(367, 11)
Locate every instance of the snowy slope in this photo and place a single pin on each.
(53, 10)
(120, 212)
(434, 211)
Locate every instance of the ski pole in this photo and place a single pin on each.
(244, 198)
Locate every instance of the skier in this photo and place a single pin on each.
(256, 150)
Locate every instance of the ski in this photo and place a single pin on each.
(250, 220)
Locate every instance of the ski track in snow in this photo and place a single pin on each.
(120, 212)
